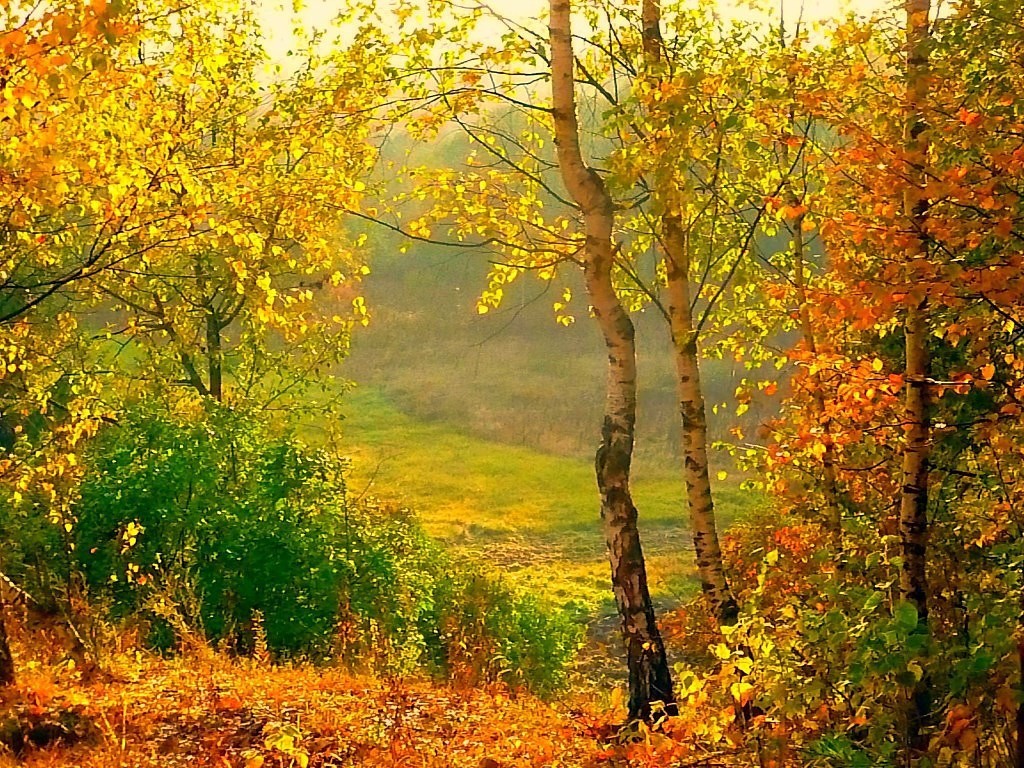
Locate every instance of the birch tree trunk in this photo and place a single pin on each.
(694, 426)
(914, 496)
(690, 396)
(649, 676)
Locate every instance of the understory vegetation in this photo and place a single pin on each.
(199, 522)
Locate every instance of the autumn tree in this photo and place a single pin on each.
(262, 296)
(917, 215)
(677, 236)
(914, 499)
(160, 188)
(510, 199)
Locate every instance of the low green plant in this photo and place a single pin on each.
(480, 629)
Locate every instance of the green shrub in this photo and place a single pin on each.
(213, 514)
(217, 506)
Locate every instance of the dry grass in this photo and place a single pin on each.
(208, 710)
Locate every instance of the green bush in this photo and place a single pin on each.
(212, 513)
(217, 506)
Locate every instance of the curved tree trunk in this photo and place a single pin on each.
(649, 676)
(692, 409)
(914, 496)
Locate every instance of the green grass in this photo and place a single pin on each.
(534, 515)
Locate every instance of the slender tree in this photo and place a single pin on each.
(649, 676)
(914, 495)
(796, 197)
(674, 241)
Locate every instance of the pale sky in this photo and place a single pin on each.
(277, 22)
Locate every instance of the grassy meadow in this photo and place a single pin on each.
(486, 425)
(533, 514)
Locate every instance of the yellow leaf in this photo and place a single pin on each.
(617, 696)
(741, 691)
(876, 365)
(916, 670)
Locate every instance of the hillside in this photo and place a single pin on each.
(514, 375)
(533, 514)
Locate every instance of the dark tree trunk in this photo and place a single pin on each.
(6, 659)
(214, 355)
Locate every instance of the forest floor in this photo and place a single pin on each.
(205, 709)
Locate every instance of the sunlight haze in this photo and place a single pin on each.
(277, 18)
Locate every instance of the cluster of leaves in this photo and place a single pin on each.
(171, 213)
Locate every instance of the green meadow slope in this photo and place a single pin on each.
(533, 514)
